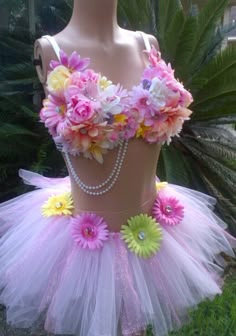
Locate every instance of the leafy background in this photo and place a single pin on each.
(192, 39)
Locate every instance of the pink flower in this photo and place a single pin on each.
(80, 109)
(73, 62)
(141, 99)
(167, 210)
(134, 119)
(90, 76)
(185, 97)
(53, 112)
(154, 56)
(89, 230)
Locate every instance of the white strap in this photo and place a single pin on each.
(54, 45)
(145, 40)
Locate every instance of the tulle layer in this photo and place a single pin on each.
(109, 291)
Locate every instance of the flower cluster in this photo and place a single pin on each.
(142, 233)
(161, 100)
(84, 112)
(87, 114)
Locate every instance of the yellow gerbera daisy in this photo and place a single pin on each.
(61, 204)
(161, 185)
(142, 235)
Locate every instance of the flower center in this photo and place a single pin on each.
(168, 209)
(141, 235)
(58, 205)
(89, 232)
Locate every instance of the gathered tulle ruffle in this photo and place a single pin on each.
(109, 291)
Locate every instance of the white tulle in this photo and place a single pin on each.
(110, 291)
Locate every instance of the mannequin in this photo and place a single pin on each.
(118, 54)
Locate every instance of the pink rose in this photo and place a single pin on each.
(80, 110)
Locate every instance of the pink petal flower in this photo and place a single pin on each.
(154, 56)
(89, 230)
(53, 112)
(168, 210)
(73, 62)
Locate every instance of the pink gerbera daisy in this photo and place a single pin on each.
(89, 230)
(168, 210)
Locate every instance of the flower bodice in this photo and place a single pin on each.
(87, 114)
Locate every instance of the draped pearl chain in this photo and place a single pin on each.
(106, 185)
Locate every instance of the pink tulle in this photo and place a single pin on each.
(108, 291)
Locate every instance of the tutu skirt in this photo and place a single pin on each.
(108, 291)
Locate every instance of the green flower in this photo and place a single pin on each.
(142, 234)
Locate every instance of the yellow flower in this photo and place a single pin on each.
(142, 235)
(141, 130)
(61, 204)
(121, 118)
(104, 82)
(97, 152)
(161, 185)
(58, 78)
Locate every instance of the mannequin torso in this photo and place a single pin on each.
(117, 54)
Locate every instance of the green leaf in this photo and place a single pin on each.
(8, 130)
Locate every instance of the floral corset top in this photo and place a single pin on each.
(87, 114)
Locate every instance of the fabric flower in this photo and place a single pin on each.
(141, 99)
(57, 79)
(168, 210)
(161, 185)
(61, 204)
(89, 230)
(53, 113)
(80, 109)
(142, 235)
(104, 83)
(73, 62)
(154, 56)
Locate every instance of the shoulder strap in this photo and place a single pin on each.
(54, 44)
(145, 40)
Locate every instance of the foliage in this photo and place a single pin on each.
(204, 155)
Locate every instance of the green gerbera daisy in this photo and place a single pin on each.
(142, 234)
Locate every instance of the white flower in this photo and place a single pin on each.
(159, 92)
(111, 102)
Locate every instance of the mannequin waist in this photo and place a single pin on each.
(134, 191)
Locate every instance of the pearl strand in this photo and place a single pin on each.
(110, 176)
(115, 172)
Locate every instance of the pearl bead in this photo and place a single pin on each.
(168, 208)
(141, 235)
(89, 232)
(58, 205)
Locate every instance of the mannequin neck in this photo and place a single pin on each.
(96, 19)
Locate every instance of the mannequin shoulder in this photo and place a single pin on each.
(43, 53)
